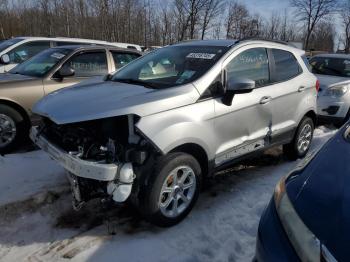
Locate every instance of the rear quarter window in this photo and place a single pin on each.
(286, 65)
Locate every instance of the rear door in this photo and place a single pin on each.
(86, 64)
(289, 89)
(244, 126)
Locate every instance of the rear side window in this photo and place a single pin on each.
(251, 64)
(286, 65)
(27, 50)
(89, 64)
(122, 59)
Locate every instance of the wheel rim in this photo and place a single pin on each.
(7, 130)
(305, 137)
(177, 191)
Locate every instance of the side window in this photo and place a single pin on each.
(286, 65)
(251, 64)
(121, 59)
(89, 64)
(27, 50)
(215, 88)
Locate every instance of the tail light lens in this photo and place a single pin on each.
(318, 85)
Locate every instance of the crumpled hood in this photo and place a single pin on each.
(96, 99)
(9, 78)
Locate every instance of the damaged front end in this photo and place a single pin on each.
(100, 156)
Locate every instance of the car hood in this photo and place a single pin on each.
(327, 80)
(96, 99)
(10, 78)
(320, 195)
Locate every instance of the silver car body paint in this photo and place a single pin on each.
(176, 116)
(324, 102)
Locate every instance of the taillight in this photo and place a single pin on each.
(318, 85)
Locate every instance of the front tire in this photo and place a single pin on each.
(301, 142)
(172, 189)
(13, 129)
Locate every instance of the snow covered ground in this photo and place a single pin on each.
(37, 222)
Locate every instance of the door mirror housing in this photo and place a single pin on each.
(5, 59)
(65, 71)
(237, 86)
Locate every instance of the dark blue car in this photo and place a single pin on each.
(308, 218)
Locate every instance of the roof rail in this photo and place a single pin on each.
(262, 39)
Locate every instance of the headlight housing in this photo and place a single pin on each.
(305, 243)
(337, 91)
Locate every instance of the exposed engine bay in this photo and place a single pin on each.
(96, 146)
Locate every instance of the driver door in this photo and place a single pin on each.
(245, 126)
(86, 64)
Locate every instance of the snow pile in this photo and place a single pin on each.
(27, 174)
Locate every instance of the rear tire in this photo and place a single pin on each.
(172, 189)
(301, 142)
(13, 129)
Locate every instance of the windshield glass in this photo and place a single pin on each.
(7, 43)
(42, 63)
(331, 66)
(170, 66)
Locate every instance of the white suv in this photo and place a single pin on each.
(157, 126)
(19, 49)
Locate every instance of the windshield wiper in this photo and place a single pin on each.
(135, 81)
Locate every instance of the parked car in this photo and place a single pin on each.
(44, 73)
(158, 126)
(308, 218)
(333, 71)
(19, 49)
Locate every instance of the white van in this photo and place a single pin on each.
(17, 50)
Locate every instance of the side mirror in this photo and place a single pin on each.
(65, 71)
(5, 59)
(237, 86)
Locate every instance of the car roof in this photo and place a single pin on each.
(223, 43)
(344, 56)
(96, 47)
(231, 42)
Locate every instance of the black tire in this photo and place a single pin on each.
(150, 192)
(21, 126)
(291, 150)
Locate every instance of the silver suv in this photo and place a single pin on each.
(152, 131)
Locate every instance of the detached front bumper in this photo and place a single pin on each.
(72, 163)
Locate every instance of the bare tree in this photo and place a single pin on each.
(345, 16)
(311, 12)
(211, 9)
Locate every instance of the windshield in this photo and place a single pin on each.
(7, 43)
(331, 66)
(170, 66)
(42, 63)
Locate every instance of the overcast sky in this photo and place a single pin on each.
(266, 7)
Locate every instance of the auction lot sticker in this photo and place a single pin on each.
(200, 55)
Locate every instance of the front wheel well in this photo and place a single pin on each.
(312, 115)
(18, 108)
(197, 152)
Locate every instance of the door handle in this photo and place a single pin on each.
(301, 89)
(265, 99)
